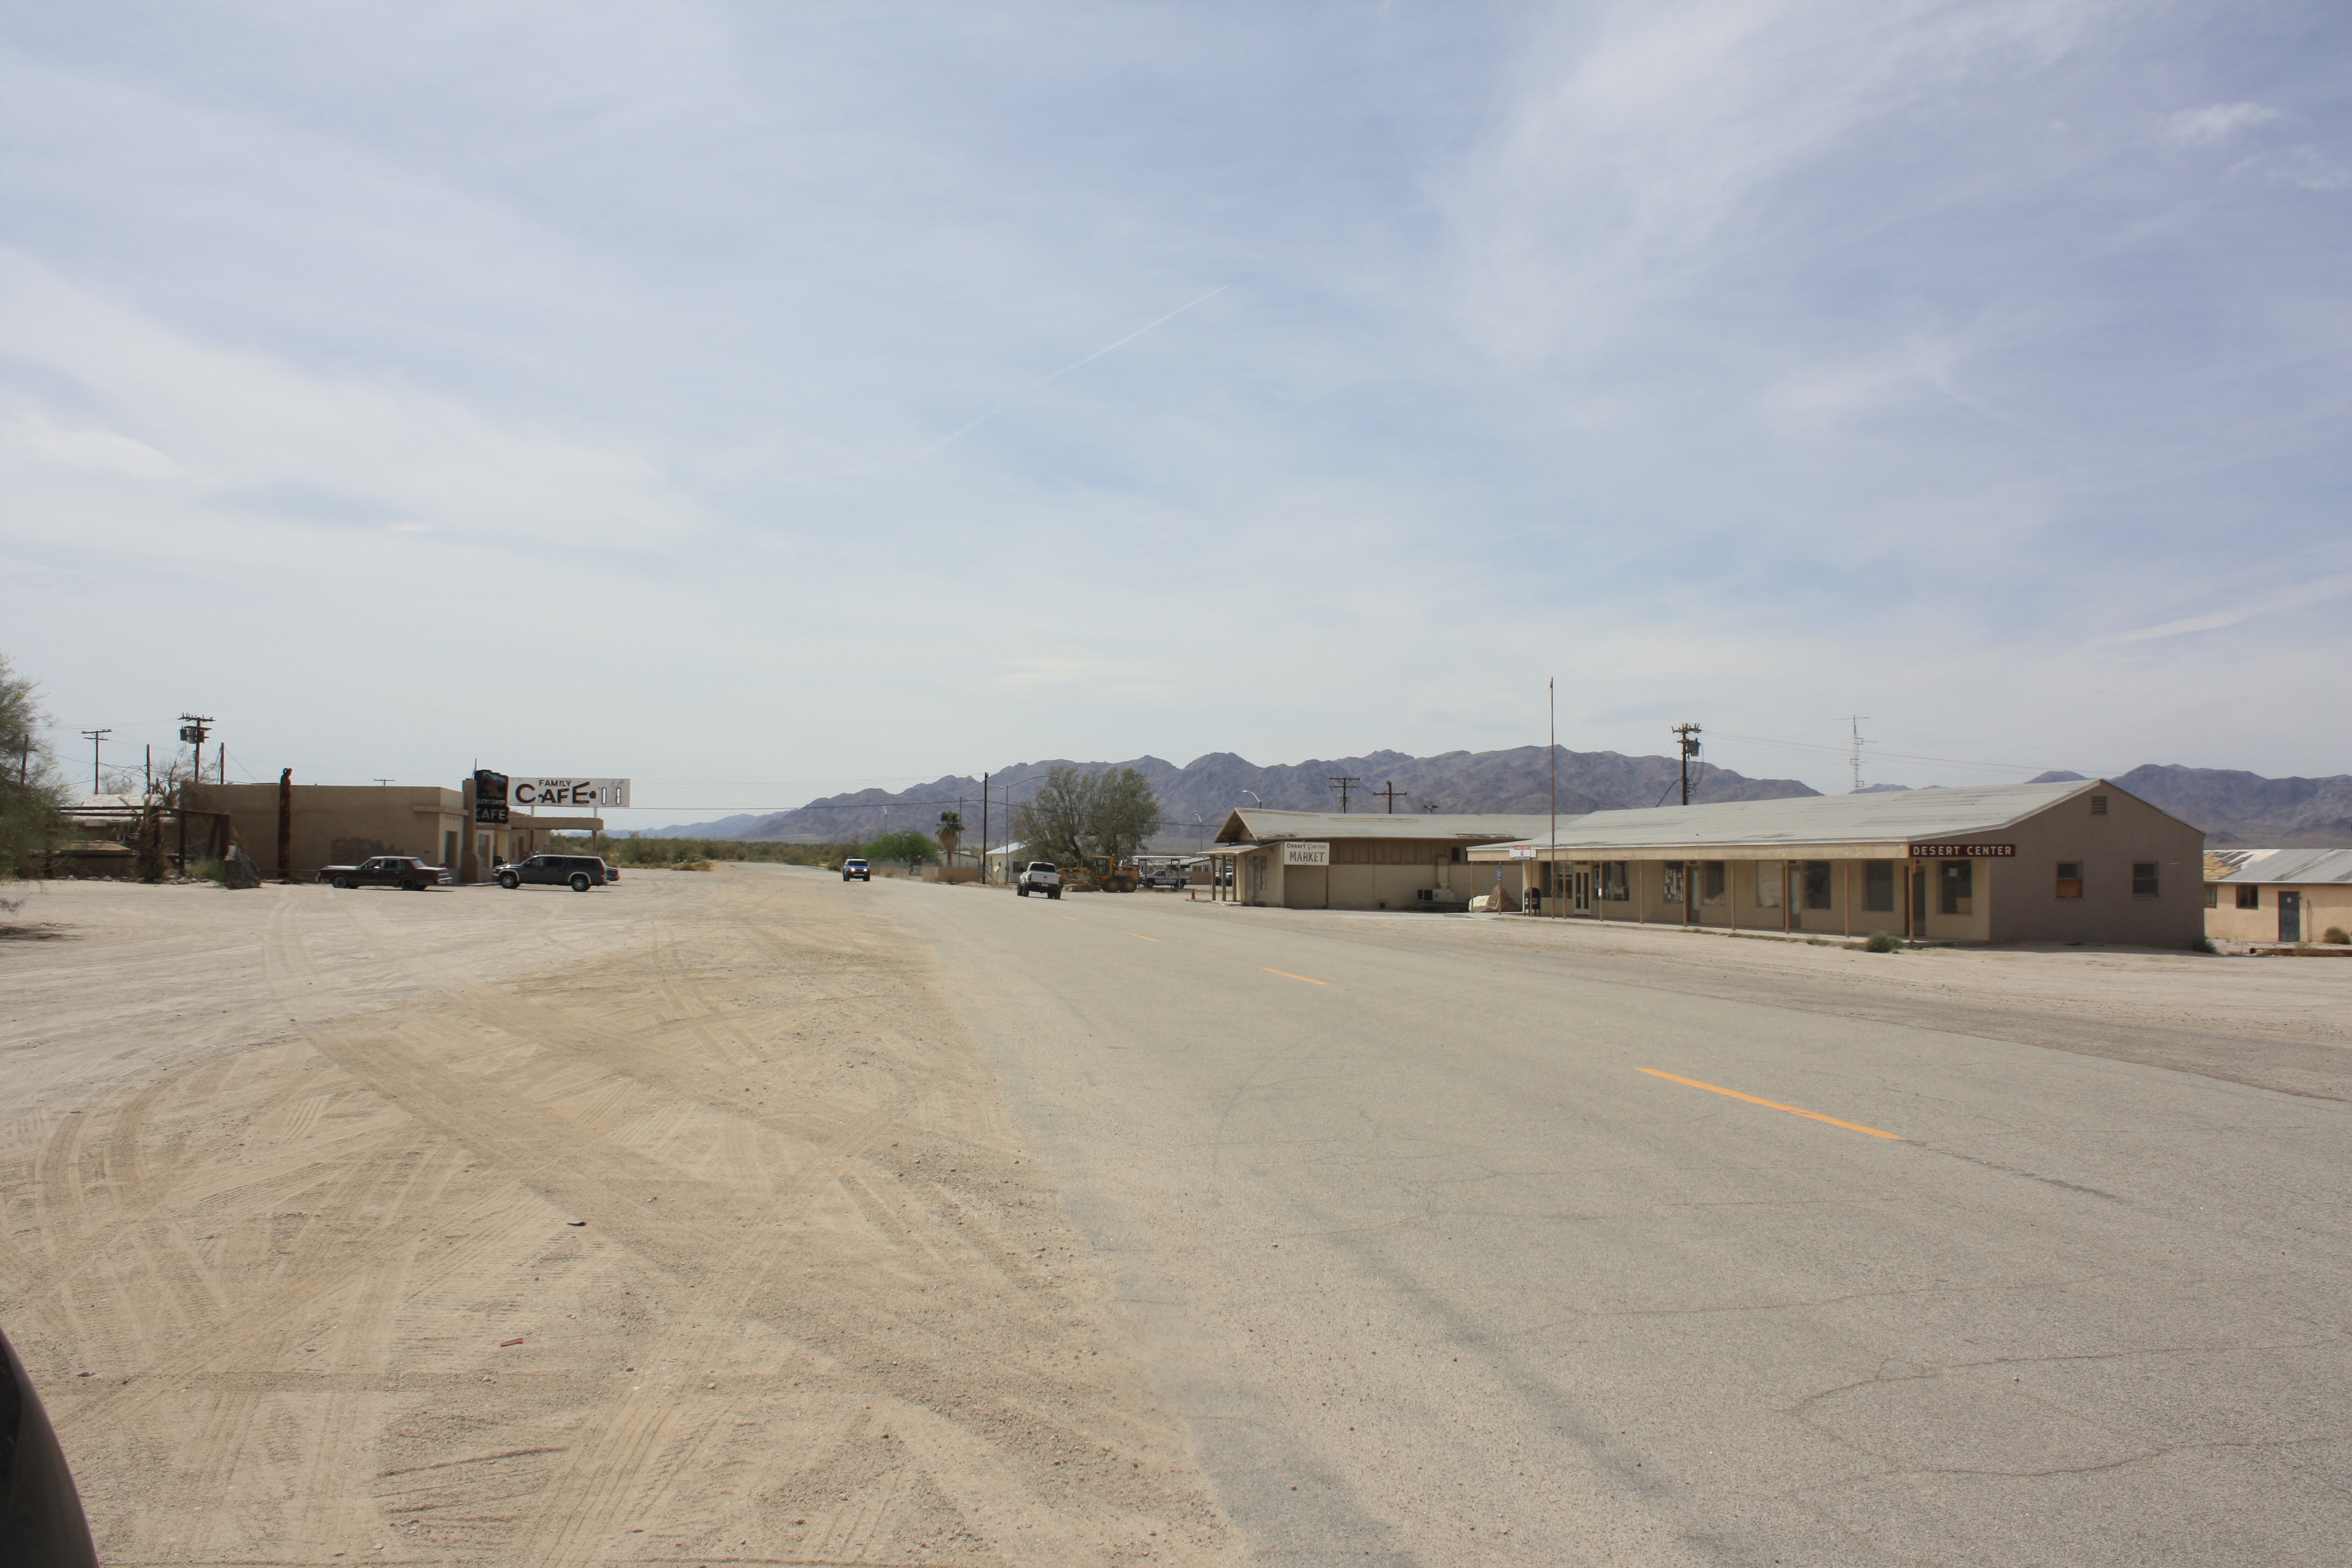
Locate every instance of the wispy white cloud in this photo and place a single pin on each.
(2318, 591)
(2215, 123)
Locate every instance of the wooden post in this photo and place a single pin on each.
(1787, 905)
(286, 825)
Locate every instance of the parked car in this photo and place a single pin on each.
(578, 872)
(1039, 877)
(404, 871)
(855, 869)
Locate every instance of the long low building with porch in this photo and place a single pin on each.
(1360, 860)
(2082, 861)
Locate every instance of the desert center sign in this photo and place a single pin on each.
(537, 794)
(1295, 853)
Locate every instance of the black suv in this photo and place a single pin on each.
(855, 870)
(579, 872)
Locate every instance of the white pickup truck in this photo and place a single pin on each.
(1039, 877)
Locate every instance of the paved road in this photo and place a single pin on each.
(1450, 1255)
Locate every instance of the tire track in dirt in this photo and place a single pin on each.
(823, 1308)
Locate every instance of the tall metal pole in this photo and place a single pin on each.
(983, 829)
(1551, 700)
(94, 737)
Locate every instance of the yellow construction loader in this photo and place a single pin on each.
(1096, 873)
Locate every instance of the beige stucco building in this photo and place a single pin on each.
(2082, 861)
(2277, 895)
(337, 825)
(1363, 860)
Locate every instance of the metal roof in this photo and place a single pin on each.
(1245, 822)
(2281, 865)
(1893, 817)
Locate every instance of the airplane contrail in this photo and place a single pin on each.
(1089, 360)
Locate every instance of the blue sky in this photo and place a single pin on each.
(718, 397)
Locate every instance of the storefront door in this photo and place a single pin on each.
(1582, 889)
(2290, 906)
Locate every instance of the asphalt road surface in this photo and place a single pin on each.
(1456, 1243)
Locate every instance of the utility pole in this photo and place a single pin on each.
(1391, 795)
(1551, 701)
(1856, 758)
(983, 829)
(1688, 734)
(1343, 784)
(94, 737)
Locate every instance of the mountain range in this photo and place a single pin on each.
(2233, 808)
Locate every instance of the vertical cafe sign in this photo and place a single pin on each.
(489, 796)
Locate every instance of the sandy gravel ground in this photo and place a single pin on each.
(677, 1223)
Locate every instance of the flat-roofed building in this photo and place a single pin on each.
(1365, 859)
(341, 824)
(2277, 895)
(2081, 861)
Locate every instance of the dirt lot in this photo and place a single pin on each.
(676, 1223)
(684, 1222)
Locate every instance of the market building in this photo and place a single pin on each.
(2081, 861)
(2278, 895)
(1362, 860)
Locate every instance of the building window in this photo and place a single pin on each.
(2143, 878)
(1878, 886)
(2098, 805)
(1670, 880)
(2070, 878)
(2213, 897)
(1614, 884)
(2250, 897)
(1816, 874)
(1956, 887)
(1710, 883)
(1769, 875)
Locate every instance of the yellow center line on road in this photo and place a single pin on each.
(1140, 937)
(1287, 975)
(1774, 1104)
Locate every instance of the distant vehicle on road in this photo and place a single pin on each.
(855, 870)
(1166, 870)
(404, 871)
(578, 872)
(1039, 877)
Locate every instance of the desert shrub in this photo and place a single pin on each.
(2337, 936)
(1883, 941)
(207, 868)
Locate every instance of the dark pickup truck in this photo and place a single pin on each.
(388, 871)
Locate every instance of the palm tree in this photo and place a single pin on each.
(950, 830)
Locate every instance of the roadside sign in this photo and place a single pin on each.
(1959, 851)
(547, 792)
(489, 796)
(1296, 853)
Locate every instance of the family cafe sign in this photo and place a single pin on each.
(533, 793)
(1961, 851)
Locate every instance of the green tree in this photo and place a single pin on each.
(951, 829)
(31, 788)
(906, 845)
(1075, 814)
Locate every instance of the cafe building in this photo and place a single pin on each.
(341, 825)
(2075, 862)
